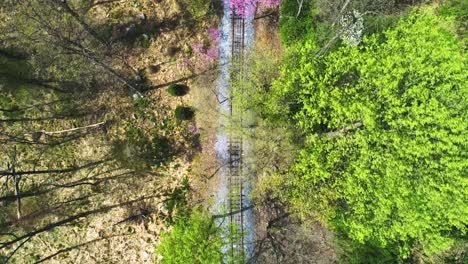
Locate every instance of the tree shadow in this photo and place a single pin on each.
(183, 79)
(139, 31)
(73, 219)
(134, 31)
(64, 250)
(169, 24)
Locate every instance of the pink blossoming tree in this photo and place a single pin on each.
(245, 8)
(242, 8)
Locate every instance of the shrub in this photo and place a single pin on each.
(140, 152)
(457, 10)
(184, 113)
(154, 69)
(193, 239)
(172, 51)
(177, 89)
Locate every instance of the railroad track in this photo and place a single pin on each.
(235, 149)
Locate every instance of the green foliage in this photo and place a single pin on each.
(178, 202)
(197, 8)
(379, 24)
(458, 10)
(386, 132)
(177, 89)
(195, 239)
(184, 113)
(357, 253)
(292, 27)
(252, 91)
(319, 21)
(282, 101)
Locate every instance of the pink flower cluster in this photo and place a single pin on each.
(193, 129)
(211, 52)
(242, 8)
(245, 8)
(198, 48)
(214, 33)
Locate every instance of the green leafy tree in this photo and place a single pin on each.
(194, 239)
(386, 123)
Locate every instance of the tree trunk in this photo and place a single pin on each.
(300, 3)
(71, 129)
(16, 179)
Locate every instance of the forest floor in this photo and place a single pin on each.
(116, 235)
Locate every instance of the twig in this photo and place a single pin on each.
(71, 129)
(16, 249)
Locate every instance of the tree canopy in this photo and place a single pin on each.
(194, 239)
(386, 123)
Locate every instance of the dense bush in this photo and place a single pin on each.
(178, 89)
(193, 239)
(311, 23)
(184, 113)
(197, 237)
